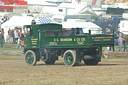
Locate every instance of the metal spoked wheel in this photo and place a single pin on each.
(70, 58)
(30, 57)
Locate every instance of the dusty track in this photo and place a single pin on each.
(14, 71)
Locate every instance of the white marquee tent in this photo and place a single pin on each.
(17, 21)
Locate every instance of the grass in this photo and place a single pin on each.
(12, 49)
(116, 58)
(116, 47)
(11, 56)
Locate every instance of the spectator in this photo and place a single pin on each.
(10, 35)
(7, 38)
(108, 32)
(18, 42)
(125, 42)
(20, 33)
(16, 35)
(1, 41)
(2, 31)
(19, 39)
(120, 41)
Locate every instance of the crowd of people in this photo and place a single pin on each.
(120, 39)
(14, 37)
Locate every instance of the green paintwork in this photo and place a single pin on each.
(33, 40)
(76, 41)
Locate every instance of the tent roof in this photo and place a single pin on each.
(17, 21)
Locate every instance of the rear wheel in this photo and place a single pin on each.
(70, 58)
(44, 55)
(51, 59)
(30, 57)
(91, 62)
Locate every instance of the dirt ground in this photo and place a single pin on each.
(14, 71)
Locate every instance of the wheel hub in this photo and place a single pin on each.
(70, 58)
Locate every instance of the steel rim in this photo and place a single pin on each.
(29, 58)
(68, 58)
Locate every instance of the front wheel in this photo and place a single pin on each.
(30, 57)
(70, 57)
